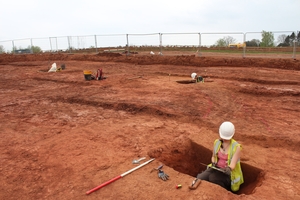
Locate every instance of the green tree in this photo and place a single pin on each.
(267, 39)
(220, 43)
(36, 49)
(225, 41)
(253, 43)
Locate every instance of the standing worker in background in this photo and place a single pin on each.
(225, 169)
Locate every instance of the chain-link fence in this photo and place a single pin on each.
(200, 44)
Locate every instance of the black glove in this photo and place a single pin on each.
(162, 175)
(227, 170)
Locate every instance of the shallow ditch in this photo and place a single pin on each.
(186, 81)
(185, 156)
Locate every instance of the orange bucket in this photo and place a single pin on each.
(87, 75)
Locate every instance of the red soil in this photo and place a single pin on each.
(62, 135)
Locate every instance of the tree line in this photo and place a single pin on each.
(29, 49)
(267, 40)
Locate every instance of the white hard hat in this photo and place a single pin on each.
(226, 130)
(193, 75)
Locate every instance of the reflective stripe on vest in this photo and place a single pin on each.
(235, 180)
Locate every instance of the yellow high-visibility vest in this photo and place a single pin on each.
(236, 175)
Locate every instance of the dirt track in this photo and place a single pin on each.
(62, 136)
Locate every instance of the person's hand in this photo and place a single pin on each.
(162, 175)
(214, 164)
(227, 170)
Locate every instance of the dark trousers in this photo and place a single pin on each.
(216, 177)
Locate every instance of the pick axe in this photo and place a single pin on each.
(215, 168)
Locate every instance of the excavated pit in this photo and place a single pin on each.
(185, 156)
(186, 81)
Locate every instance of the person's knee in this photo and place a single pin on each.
(221, 181)
(203, 176)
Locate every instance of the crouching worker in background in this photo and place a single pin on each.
(197, 78)
(99, 75)
(225, 169)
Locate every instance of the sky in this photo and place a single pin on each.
(44, 18)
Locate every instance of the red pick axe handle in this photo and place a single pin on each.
(118, 177)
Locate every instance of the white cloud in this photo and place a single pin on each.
(33, 18)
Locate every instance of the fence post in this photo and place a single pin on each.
(31, 48)
(56, 44)
(69, 44)
(96, 44)
(199, 48)
(50, 43)
(294, 49)
(160, 43)
(50, 39)
(244, 46)
(127, 44)
(296, 41)
(13, 44)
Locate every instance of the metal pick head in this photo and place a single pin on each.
(137, 161)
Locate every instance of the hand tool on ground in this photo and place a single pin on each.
(178, 186)
(120, 176)
(137, 161)
(215, 168)
(158, 168)
(196, 182)
(161, 174)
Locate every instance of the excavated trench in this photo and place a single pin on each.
(186, 156)
(186, 81)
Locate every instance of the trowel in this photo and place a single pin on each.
(137, 161)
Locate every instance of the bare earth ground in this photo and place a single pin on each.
(61, 135)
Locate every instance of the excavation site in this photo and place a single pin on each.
(99, 125)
